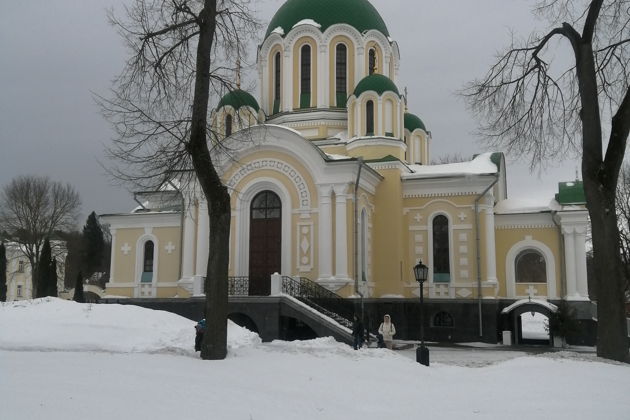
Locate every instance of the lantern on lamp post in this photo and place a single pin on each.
(421, 272)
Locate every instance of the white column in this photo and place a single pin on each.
(358, 128)
(569, 261)
(491, 253)
(203, 238)
(341, 232)
(114, 250)
(379, 121)
(188, 252)
(322, 77)
(266, 88)
(287, 82)
(325, 232)
(359, 67)
(580, 262)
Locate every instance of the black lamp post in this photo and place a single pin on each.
(421, 273)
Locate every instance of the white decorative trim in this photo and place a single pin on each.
(510, 266)
(301, 187)
(524, 221)
(305, 247)
(140, 265)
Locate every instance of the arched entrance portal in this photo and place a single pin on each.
(525, 320)
(265, 241)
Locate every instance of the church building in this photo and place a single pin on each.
(331, 179)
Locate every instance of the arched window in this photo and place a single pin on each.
(341, 68)
(372, 61)
(531, 267)
(305, 76)
(147, 262)
(369, 118)
(443, 319)
(441, 250)
(266, 205)
(276, 83)
(228, 125)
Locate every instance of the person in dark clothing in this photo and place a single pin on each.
(357, 333)
(200, 329)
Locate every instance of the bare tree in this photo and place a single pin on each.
(535, 103)
(623, 216)
(32, 208)
(449, 158)
(159, 110)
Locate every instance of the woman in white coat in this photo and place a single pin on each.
(388, 331)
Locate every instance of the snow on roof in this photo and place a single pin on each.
(482, 164)
(548, 305)
(333, 156)
(307, 22)
(278, 31)
(526, 205)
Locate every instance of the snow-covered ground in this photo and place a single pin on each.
(63, 360)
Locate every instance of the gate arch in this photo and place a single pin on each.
(511, 316)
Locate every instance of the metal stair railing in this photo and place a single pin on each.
(319, 298)
(238, 286)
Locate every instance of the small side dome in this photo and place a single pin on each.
(413, 122)
(237, 99)
(376, 82)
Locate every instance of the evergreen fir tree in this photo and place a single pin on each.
(94, 245)
(52, 279)
(78, 289)
(3, 273)
(42, 275)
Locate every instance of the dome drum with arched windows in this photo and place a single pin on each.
(313, 56)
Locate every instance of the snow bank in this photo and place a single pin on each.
(56, 324)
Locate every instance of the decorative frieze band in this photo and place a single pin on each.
(278, 166)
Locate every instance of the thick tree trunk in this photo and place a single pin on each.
(612, 340)
(600, 182)
(214, 346)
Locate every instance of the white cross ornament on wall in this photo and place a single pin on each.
(169, 248)
(462, 216)
(417, 217)
(531, 291)
(125, 248)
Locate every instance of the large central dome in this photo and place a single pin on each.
(359, 14)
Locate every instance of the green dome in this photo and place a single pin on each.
(237, 99)
(359, 14)
(376, 82)
(412, 122)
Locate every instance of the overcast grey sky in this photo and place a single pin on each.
(54, 53)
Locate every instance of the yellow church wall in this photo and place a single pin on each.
(387, 235)
(507, 238)
(369, 151)
(168, 264)
(120, 291)
(332, 59)
(419, 213)
(124, 271)
(296, 71)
